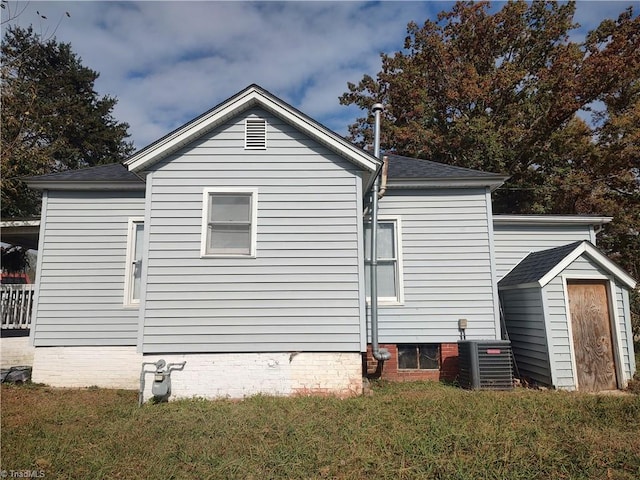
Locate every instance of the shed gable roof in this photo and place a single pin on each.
(539, 268)
(252, 96)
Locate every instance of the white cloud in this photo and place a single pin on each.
(167, 62)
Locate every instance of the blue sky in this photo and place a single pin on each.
(167, 62)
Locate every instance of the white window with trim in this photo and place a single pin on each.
(133, 270)
(229, 221)
(390, 285)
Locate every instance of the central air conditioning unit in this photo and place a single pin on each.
(485, 364)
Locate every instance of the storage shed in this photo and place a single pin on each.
(567, 314)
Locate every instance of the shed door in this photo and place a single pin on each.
(592, 342)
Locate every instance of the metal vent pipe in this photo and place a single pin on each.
(377, 352)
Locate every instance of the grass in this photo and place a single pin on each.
(403, 431)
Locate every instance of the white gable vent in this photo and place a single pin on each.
(255, 134)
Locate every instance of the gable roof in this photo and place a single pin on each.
(253, 96)
(536, 265)
(113, 176)
(406, 172)
(539, 268)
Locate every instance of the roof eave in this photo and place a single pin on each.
(518, 286)
(182, 136)
(449, 182)
(20, 232)
(244, 100)
(34, 222)
(550, 219)
(597, 256)
(85, 185)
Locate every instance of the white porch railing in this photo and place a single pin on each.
(16, 302)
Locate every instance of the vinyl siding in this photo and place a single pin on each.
(300, 293)
(524, 317)
(560, 354)
(629, 333)
(82, 270)
(625, 332)
(514, 242)
(447, 268)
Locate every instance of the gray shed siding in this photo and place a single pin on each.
(82, 270)
(583, 267)
(560, 354)
(626, 305)
(515, 242)
(301, 292)
(524, 318)
(447, 266)
(624, 330)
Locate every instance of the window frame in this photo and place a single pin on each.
(129, 301)
(396, 221)
(416, 347)
(253, 224)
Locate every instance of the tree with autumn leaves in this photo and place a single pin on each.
(52, 118)
(513, 92)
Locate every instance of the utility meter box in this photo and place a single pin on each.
(161, 387)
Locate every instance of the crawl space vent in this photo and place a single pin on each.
(255, 137)
(485, 364)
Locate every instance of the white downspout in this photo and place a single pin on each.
(378, 353)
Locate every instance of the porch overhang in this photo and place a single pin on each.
(23, 232)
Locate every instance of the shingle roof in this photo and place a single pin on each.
(113, 172)
(536, 265)
(406, 167)
(400, 167)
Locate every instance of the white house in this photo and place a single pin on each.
(237, 244)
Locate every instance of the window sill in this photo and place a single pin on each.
(409, 370)
(387, 303)
(227, 256)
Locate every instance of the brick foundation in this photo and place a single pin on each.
(239, 375)
(105, 367)
(16, 351)
(230, 375)
(389, 370)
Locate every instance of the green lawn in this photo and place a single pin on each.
(401, 431)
